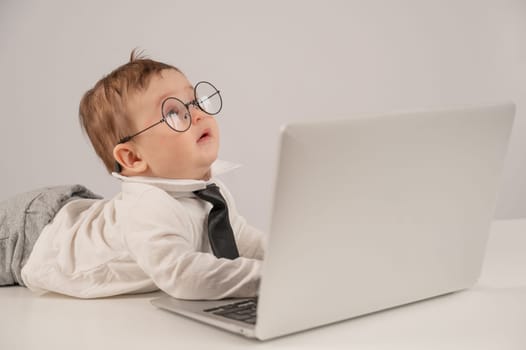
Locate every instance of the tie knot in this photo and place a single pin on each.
(211, 194)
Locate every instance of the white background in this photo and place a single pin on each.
(275, 61)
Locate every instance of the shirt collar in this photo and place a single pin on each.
(219, 167)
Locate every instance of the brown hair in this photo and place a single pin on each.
(103, 110)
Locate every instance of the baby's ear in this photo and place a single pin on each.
(129, 159)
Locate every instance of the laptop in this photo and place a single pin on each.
(370, 213)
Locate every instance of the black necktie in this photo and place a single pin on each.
(220, 232)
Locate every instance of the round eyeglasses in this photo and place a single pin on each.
(176, 113)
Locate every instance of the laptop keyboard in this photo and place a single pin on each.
(244, 311)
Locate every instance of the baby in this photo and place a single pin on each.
(174, 225)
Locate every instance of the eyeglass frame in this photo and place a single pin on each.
(118, 167)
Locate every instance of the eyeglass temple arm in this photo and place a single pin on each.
(128, 138)
(118, 167)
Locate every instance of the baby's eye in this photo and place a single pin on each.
(174, 113)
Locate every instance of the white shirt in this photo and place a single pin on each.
(151, 236)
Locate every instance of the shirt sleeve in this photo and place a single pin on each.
(165, 246)
(250, 241)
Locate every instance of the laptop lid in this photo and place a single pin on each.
(370, 213)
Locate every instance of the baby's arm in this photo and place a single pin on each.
(186, 274)
(250, 241)
(166, 249)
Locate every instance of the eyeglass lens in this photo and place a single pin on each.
(208, 97)
(176, 114)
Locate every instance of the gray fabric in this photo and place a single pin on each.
(22, 218)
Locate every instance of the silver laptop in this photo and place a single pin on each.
(371, 213)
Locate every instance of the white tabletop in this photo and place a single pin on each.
(491, 315)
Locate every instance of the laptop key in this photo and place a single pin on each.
(245, 311)
(251, 320)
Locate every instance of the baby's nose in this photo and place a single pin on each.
(197, 113)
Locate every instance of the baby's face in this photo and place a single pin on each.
(171, 154)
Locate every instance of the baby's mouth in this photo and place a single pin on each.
(204, 136)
